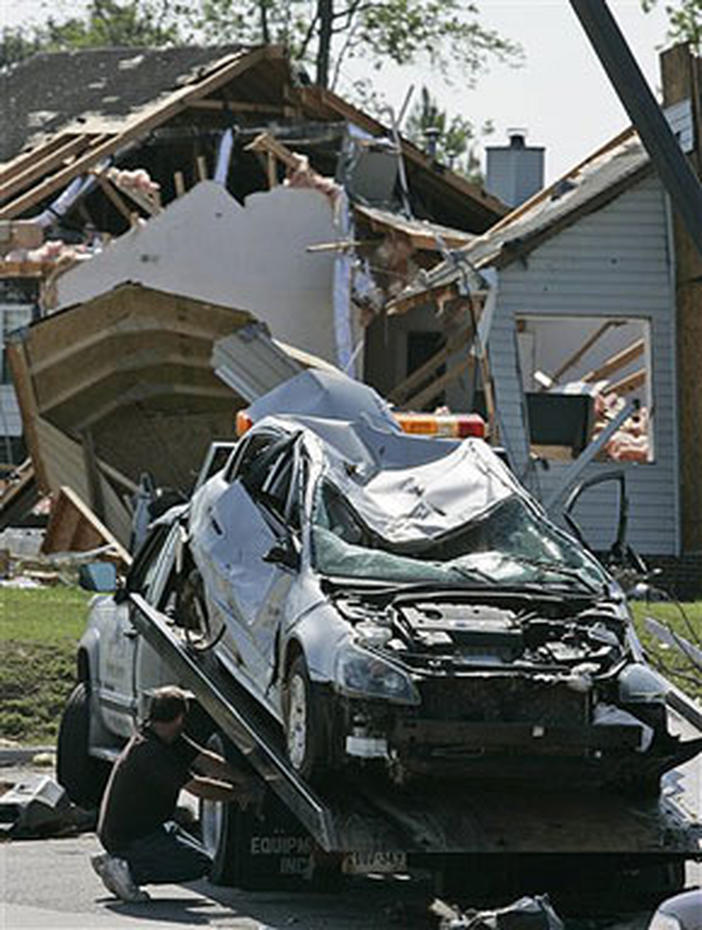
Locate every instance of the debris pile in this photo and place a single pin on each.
(527, 913)
(630, 443)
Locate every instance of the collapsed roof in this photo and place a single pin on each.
(589, 186)
(75, 112)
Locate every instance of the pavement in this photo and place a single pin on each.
(49, 884)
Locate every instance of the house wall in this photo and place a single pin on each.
(207, 246)
(615, 262)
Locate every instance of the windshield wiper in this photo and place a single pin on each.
(545, 566)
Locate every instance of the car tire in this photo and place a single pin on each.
(83, 777)
(218, 825)
(302, 724)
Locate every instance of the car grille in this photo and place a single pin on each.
(502, 698)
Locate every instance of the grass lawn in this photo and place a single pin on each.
(39, 629)
(667, 659)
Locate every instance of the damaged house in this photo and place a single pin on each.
(219, 177)
(590, 325)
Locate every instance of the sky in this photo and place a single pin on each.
(561, 96)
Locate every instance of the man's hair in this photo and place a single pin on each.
(167, 703)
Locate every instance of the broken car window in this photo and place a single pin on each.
(511, 544)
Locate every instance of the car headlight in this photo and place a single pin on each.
(661, 921)
(363, 674)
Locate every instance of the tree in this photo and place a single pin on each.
(105, 23)
(684, 21)
(324, 33)
(445, 33)
(451, 141)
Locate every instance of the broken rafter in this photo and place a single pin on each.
(578, 354)
(419, 375)
(243, 106)
(173, 104)
(630, 383)
(617, 361)
(114, 198)
(431, 390)
(265, 144)
(13, 182)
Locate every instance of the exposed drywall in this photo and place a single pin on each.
(207, 246)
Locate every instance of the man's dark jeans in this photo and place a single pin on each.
(167, 855)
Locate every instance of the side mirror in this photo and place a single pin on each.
(283, 554)
(100, 577)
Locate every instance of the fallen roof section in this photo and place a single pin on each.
(605, 174)
(123, 384)
(227, 86)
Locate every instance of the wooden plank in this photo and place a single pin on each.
(632, 382)
(24, 390)
(140, 126)
(114, 198)
(242, 106)
(25, 159)
(73, 527)
(429, 392)
(318, 98)
(266, 144)
(415, 378)
(617, 361)
(22, 180)
(578, 354)
(97, 501)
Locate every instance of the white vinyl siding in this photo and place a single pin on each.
(612, 263)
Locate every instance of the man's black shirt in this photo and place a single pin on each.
(143, 788)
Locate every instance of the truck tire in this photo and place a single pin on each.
(303, 729)
(218, 822)
(83, 777)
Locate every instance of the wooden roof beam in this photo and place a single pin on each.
(53, 159)
(156, 116)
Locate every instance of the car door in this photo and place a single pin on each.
(246, 522)
(119, 643)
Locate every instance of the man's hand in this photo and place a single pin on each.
(214, 766)
(248, 792)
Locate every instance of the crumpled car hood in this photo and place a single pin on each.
(425, 500)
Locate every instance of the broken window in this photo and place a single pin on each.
(580, 376)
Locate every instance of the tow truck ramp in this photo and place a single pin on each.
(366, 817)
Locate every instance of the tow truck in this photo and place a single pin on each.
(360, 822)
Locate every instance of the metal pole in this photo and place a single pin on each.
(660, 143)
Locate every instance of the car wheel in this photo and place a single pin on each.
(83, 777)
(303, 741)
(218, 825)
(194, 614)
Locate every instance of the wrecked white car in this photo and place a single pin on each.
(392, 601)
(403, 600)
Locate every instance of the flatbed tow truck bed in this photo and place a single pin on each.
(366, 817)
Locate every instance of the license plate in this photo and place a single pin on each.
(384, 863)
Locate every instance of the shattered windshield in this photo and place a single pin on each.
(511, 544)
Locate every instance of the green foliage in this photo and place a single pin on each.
(445, 34)
(684, 20)
(455, 138)
(39, 630)
(105, 23)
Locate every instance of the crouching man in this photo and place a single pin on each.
(144, 845)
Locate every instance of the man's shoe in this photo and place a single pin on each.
(98, 863)
(117, 878)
